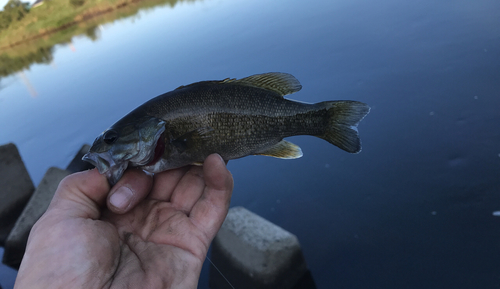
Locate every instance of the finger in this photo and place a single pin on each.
(81, 194)
(165, 183)
(211, 209)
(131, 189)
(188, 190)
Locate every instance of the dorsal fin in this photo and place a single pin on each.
(203, 82)
(281, 83)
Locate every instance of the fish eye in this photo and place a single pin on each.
(110, 136)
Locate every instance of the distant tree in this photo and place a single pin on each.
(14, 10)
(17, 9)
(5, 20)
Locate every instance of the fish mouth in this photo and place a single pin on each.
(105, 164)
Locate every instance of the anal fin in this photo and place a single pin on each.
(282, 150)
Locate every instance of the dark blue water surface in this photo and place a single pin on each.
(415, 209)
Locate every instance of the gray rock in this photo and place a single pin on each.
(37, 205)
(77, 164)
(16, 188)
(252, 252)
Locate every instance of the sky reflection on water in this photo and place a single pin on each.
(412, 210)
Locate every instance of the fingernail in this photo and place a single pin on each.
(221, 159)
(121, 198)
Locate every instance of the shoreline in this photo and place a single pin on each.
(85, 16)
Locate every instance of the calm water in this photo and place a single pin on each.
(413, 210)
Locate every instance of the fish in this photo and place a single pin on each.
(232, 117)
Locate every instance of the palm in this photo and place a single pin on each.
(160, 243)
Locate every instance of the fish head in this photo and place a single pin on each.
(129, 142)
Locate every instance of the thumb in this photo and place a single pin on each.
(81, 195)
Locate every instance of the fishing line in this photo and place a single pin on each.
(220, 273)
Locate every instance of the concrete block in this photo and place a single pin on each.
(16, 188)
(37, 205)
(77, 164)
(251, 252)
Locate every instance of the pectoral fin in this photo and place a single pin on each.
(282, 150)
(192, 138)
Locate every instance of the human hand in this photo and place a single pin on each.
(155, 235)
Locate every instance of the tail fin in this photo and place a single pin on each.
(344, 117)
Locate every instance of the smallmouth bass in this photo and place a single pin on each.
(232, 117)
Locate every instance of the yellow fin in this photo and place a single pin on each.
(197, 164)
(281, 83)
(283, 150)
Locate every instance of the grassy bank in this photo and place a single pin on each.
(55, 15)
(31, 40)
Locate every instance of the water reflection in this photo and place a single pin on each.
(20, 48)
(12, 61)
(27, 83)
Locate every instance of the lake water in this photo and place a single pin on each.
(415, 209)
